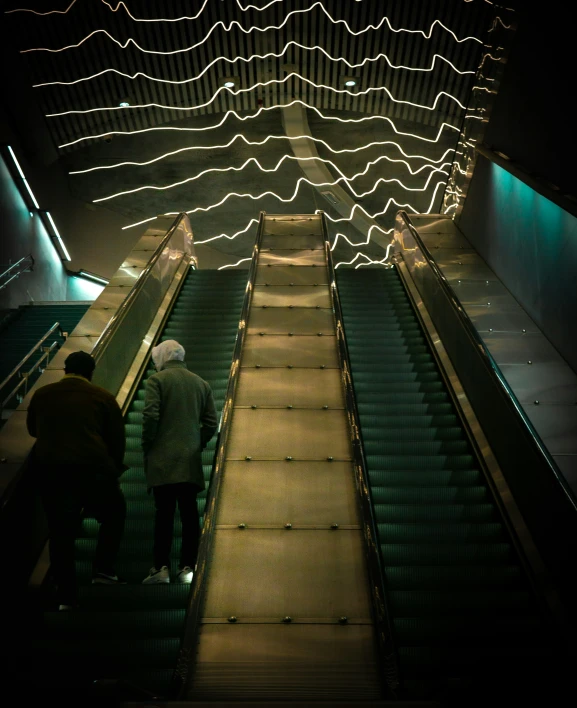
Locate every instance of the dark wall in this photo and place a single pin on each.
(532, 121)
(531, 244)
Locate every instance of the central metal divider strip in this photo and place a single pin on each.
(285, 612)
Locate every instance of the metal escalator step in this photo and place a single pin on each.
(464, 631)
(446, 554)
(430, 461)
(370, 398)
(425, 478)
(429, 495)
(116, 624)
(384, 388)
(402, 422)
(453, 577)
(442, 531)
(129, 549)
(398, 408)
(129, 598)
(376, 434)
(390, 377)
(413, 448)
(444, 513)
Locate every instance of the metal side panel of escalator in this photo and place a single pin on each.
(283, 606)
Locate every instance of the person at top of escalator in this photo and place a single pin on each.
(78, 459)
(178, 420)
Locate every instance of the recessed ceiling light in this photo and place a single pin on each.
(350, 82)
(229, 84)
(124, 104)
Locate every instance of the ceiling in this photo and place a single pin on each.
(168, 61)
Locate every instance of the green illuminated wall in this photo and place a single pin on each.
(531, 244)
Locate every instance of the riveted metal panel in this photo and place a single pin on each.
(93, 322)
(280, 350)
(272, 573)
(493, 319)
(270, 434)
(284, 295)
(311, 388)
(296, 240)
(271, 492)
(136, 259)
(286, 256)
(299, 320)
(297, 275)
(456, 240)
(435, 224)
(297, 226)
(293, 661)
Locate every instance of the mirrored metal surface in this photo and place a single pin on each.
(546, 382)
(557, 425)
(285, 275)
(494, 319)
(272, 493)
(283, 226)
(433, 223)
(272, 434)
(519, 348)
(286, 257)
(311, 388)
(483, 292)
(245, 580)
(280, 350)
(568, 466)
(110, 298)
(478, 271)
(295, 240)
(93, 322)
(136, 259)
(284, 295)
(125, 280)
(279, 320)
(434, 241)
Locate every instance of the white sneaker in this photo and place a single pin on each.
(185, 575)
(157, 576)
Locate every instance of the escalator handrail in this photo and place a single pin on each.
(18, 368)
(471, 330)
(370, 528)
(118, 317)
(191, 625)
(24, 268)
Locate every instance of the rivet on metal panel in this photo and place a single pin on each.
(323, 366)
(261, 334)
(315, 284)
(523, 330)
(488, 303)
(288, 458)
(529, 362)
(257, 366)
(490, 329)
(248, 458)
(287, 620)
(325, 408)
(536, 403)
(318, 307)
(264, 307)
(288, 526)
(330, 459)
(267, 284)
(268, 265)
(232, 619)
(291, 283)
(460, 263)
(242, 526)
(343, 620)
(290, 366)
(319, 334)
(289, 406)
(253, 407)
(291, 265)
(291, 307)
(487, 282)
(334, 526)
(290, 334)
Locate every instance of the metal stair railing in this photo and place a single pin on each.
(24, 376)
(24, 265)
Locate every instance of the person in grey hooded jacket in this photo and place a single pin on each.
(178, 420)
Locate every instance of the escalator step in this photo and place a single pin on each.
(453, 577)
(446, 554)
(452, 532)
(442, 513)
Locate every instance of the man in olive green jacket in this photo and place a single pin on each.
(178, 420)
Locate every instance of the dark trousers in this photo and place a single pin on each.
(166, 497)
(64, 497)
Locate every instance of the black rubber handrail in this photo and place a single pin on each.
(370, 530)
(25, 264)
(471, 330)
(184, 667)
(118, 317)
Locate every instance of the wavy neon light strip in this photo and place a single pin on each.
(256, 85)
(233, 265)
(372, 228)
(276, 137)
(385, 20)
(290, 199)
(255, 115)
(276, 55)
(230, 238)
(369, 261)
(253, 160)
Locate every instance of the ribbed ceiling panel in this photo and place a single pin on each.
(99, 53)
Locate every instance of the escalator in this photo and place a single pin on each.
(465, 620)
(132, 632)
